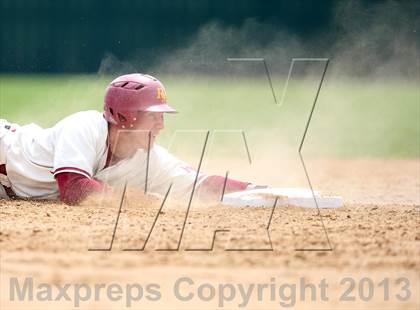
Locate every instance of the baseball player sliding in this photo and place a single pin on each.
(88, 151)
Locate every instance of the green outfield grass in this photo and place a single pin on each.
(353, 118)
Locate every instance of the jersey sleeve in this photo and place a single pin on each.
(170, 170)
(75, 149)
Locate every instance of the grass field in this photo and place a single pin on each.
(353, 117)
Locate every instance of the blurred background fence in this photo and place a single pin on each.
(74, 35)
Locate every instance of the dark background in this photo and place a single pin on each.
(74, 35)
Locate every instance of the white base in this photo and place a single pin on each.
(299, 197)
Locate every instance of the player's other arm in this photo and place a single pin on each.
(75, 187)
(78, 148)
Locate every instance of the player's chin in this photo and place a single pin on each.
(146, 144)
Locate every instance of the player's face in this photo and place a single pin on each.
(152, 122)
(125, 143)
(138, 136)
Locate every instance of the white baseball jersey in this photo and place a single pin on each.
(78, 144)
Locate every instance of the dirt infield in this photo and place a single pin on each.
(375, 235)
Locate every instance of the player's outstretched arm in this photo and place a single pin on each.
(212, 186)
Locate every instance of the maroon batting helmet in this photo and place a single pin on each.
(130, 93)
